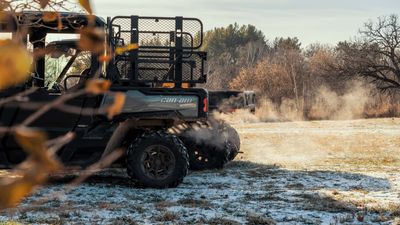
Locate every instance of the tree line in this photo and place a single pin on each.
(315, 81)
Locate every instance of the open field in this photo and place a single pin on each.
(326, 172)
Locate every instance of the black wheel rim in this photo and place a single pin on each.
(158, 162)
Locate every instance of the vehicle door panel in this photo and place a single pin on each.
(55, 122)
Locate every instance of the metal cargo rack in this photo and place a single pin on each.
(168, 51)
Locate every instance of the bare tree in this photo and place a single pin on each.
(376, 55)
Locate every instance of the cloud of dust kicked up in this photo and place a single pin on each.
(351, 105)
(293, 143)
(325, 105)
(297, 146)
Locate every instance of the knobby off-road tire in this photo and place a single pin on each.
(157, 160)
(233, 140)
(207, 146)
(210, 145)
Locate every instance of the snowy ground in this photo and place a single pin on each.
(327, 172)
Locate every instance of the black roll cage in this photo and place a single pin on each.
(37, 30)
(178, 61)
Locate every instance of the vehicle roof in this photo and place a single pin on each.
(34, 20)
(72, 43)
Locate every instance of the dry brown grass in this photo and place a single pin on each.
(359, 144)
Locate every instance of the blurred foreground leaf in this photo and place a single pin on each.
(92, 39)
(97, 86)
(33, 172)
(15, 63)
(34, 143)
(50, 16)
(116, 107)
(14, 190)
(86, 5)
(12, 193)
(43, 3)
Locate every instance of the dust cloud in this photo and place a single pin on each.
(351, 105)
(208, 133)
(282, 134)
(283, 149)
(325, 105)
(290, 139)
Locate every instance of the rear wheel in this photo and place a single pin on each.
(157, 160)
(233, 140)
(211, 145)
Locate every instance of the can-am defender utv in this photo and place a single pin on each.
(167, 58)
(154, 157)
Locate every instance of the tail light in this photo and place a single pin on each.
(205, 105)
(231, 110)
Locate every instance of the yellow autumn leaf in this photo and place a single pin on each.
(50, 16)
(126, 48)
(117, 106)
(86, 5)
(15, 63)
(12, 193)
(59, 23)
(92, 39)
(97, 86)
(34, 143)
(14, 190)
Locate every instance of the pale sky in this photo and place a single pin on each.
(310, 20)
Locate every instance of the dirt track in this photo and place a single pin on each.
(328, 172)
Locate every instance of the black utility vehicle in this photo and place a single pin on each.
(155, 157)
(229, 101)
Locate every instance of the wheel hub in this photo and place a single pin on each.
(158, 162)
